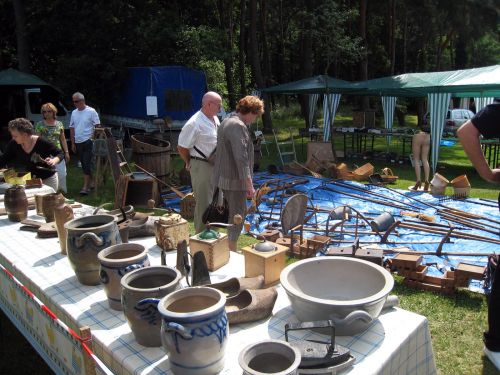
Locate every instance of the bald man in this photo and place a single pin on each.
(197, 143)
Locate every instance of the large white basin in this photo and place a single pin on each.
(351, 292)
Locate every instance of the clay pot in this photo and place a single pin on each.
(143, 316)
(39, 203)
(270, 357)
(460, 182)
(62, 214)
(50, 201)
(194, 330)
(438, 190)
(439, 181)
(86, 236)
(116, 261)
(16, 203)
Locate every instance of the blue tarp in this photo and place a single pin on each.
(327, 194)
(178, 89)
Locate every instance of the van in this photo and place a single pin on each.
(454, 119)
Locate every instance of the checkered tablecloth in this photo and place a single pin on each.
(397, 343)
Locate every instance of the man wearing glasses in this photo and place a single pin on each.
(196, 146)
(81, 127)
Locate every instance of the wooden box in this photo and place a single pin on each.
(169, 234)
(216, 251)
(268, 263)
(312, 245)
(270, 235)
(139, 190)
(464, 272)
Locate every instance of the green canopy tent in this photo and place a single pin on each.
(330, 87)
(439, 87)
(13, 77)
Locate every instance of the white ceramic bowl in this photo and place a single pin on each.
(352, 292)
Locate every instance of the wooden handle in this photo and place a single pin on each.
(178, 192)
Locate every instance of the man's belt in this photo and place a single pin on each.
(200, 159)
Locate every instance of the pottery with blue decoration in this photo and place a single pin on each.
(141, 290)
(116, 261)
(194, 330)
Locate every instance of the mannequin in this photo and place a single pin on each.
(421, 145)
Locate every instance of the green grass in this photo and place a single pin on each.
(456, 322)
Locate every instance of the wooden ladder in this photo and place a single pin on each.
(286, 149)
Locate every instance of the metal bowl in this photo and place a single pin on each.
(352, 292)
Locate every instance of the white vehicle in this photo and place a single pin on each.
(454, 118)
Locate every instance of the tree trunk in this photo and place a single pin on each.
(23, 49)
(306, 62)
(363, 65)
(227, 26)
(241, 55)
(256, 69)
(392, 35)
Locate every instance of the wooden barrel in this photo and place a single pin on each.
(152, 154)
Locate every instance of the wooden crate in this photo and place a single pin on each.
(270, 235)
(216, 251)
(268, 263)
(464, 272)
(312, 245)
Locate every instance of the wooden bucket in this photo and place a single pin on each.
(152, 154)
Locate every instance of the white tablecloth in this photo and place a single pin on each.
(397, 343)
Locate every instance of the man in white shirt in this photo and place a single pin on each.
(81, 126)
(197, 142)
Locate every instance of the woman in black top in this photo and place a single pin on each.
(30, 153)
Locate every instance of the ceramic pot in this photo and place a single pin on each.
(16, 203)
(39, 203)
(358, 293)
(51, 201)
(439, 181)
(460, 182)
(116, 261)
(148, 282)
(270, 357)
(194, 330)
(86, 236)
(62, 214)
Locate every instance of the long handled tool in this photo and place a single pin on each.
(315, 174)
(179, 193)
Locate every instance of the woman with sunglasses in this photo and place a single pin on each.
(53, 130)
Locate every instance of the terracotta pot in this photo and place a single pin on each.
(116, 261)
(438, 190)
(50, 201)
(62, 214)
(439, 181)
(143, 318)
(86, 236)
(16, 203)
(39, 203)
(460, 182)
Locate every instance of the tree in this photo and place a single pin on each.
(23, 49)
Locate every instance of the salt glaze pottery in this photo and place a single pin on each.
(143, 317)
(86, 236)
(62, 214)
(270, 357)
(16, 203)
(49, 202)
(351, 292)
(194, 330)
(116, 261)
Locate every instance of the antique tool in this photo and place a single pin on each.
(319, 357)
(314, 174)
(179, 193)
(44, 230)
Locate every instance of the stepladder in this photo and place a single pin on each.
(286, 149)
(109, 157)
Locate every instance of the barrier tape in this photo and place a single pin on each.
(83, 342)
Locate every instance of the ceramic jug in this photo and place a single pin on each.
(16, 203)
(62, 214)
(116, 261)
(86, 236)
(49, 202)
(194, 330)
(148, 282)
